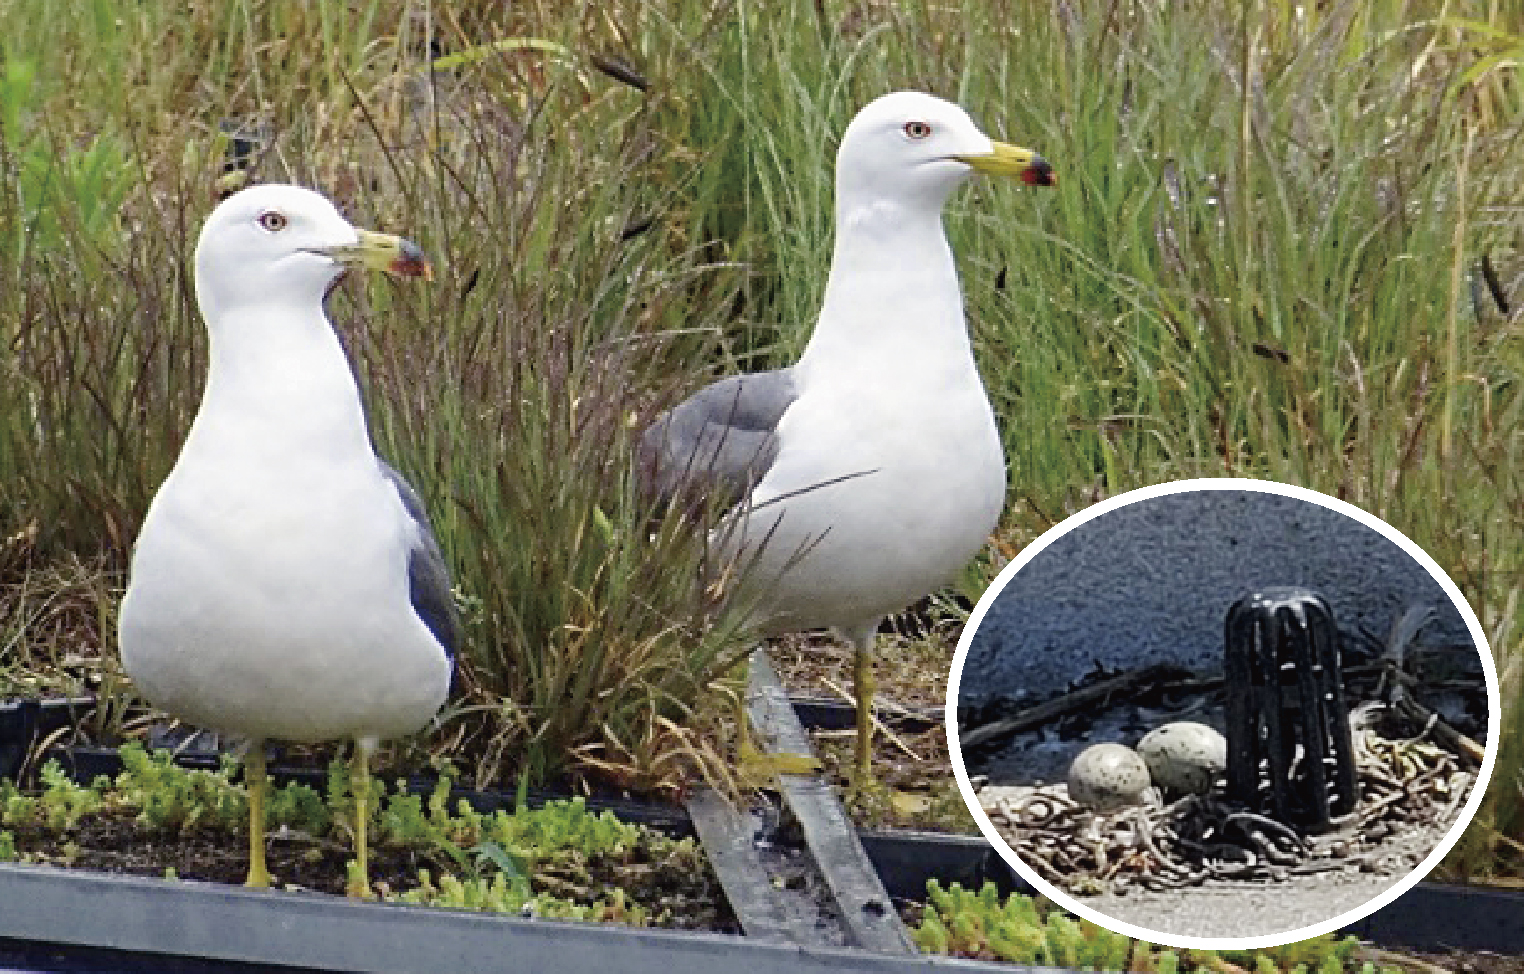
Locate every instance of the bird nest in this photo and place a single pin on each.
(1406, 784)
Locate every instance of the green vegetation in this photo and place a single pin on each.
(1015, 929)
(1264, 258)
(556, 861)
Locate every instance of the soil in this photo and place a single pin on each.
(676, 895)
(910, 673)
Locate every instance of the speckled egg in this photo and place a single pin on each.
(1107, 777)
(1184, 756)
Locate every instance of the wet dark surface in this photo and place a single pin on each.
(1152, 582)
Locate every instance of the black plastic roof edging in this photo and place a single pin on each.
(817, 714)
(1439, 916)
(31, 957)
(316, 932)
(906, 860)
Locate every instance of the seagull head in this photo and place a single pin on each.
(275, 242)
(909, 146)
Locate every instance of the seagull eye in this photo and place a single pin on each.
(273, 220)
(918, 130)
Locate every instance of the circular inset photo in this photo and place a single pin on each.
(1223, 714)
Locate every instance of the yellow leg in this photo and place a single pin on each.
(359, 783)
(864, 680)
(256, 785)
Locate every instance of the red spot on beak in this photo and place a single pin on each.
(411, 263)
(1039, 173)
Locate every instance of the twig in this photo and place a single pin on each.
(1447, 736)
(1405, 961)
(1105, 691)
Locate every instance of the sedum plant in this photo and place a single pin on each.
(1014, 929)
(533, 861)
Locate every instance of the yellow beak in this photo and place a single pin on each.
(383, 252)
(1009, 160)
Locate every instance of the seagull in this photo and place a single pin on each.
(867, 474)
(286, 584)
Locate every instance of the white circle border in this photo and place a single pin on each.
(1070, 903)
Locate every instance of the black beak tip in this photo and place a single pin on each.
(1039, 173)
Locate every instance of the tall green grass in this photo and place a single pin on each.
(1261, 260)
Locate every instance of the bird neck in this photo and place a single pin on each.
(892, 295)
(283, 372)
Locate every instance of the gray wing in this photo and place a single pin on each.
(719, 442)
(428, 576)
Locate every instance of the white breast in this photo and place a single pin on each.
(241, 618)
(875, 514)
(269, 590)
